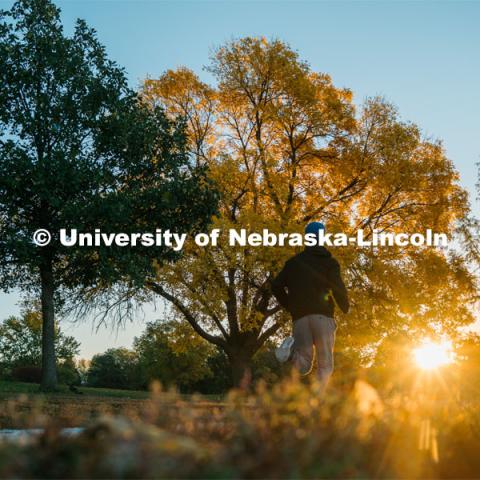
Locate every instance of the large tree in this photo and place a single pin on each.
(286, 146)
(78, 150)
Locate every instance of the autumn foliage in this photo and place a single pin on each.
(285, 146)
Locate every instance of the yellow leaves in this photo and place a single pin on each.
(178, 87)
(183, 94)
(285, 145)
(184, 338)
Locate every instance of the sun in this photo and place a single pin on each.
(430, 355)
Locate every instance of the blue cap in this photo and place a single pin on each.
(314, 227)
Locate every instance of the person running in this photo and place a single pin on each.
(308, 287)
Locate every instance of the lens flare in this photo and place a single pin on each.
(430, 355)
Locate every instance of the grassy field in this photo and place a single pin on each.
(23, 405)
(9, 389)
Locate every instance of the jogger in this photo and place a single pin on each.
(308, 286)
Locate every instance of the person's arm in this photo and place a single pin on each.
(339, 290)
(279, 288)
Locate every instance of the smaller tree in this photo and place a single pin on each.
(115, 368)
(169, 351)
(21, 342)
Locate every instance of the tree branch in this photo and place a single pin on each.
(159, 290)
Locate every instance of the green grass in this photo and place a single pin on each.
(13, 388)
(10, 389)
(114, 393)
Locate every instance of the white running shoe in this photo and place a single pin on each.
(284, 351)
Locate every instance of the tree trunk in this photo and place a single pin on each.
(240, 365)
(49, 364)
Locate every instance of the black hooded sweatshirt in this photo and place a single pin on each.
(308, 282)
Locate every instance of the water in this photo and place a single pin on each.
(16, 435)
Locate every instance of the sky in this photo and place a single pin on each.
(422, 56)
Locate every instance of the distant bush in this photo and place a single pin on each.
(68, 373)
(29, 374)
(219, 381)
(115, 368)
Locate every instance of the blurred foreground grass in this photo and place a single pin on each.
(288, 431)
